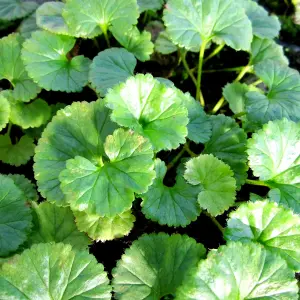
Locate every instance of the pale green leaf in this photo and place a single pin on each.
(78, 129)
(240, 271)
(151, 109)
(172, 206)
(16, 9)
(54, 271)
(106, 187)
(275, 227)
(28, 26)
(110, 67)
(15, 217)
(191, 22)
(4, 111)
(217, 184)
(228, 143)
(136, 42)
(164, 45)
(104, 228)
(155, 265)
(16, 154)
(153, 5)
(46, 59)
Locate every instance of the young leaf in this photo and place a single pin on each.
(155, 265)
(172, 206)
(54, 271)
(282, 99)
(164, 45)
(136, 42)
(16, 154)
(153, 5)
(216, 181)
(275, 227)
(191, 22)
(47, 61)
(151, 109)
(56, 224)
(25, 185)
(78, 129)
(106, 186)
(12, 69)
(15, 217)
(240, 271)
(228, 143)
(90, 18)
(28, 26)
(104, 228)
(16, 9)
(263, 25)
(110, 67)
(4, 111)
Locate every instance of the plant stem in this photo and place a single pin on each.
(96, 43)
(214, 53)
(104, 30)
(187, 68)
(9, 129)
(257, 82)
(145, 17)
(215, 221)
(256, 182)
(242, 113)
(198, 88)
(189, 151)
(218, 105)
(176, 158)
(223, 70)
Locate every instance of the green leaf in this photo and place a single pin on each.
(12, 69)
(16, 9)
(16, 154)
(98, 187)
(199, 126)
(78, 129)
(15, 217)
(28, 26)
(263, 49)
(217, 185)
(151, 109)
(275, 227)
(240, 271)
(90, 18)
(33, 114)
(263, 25)
(164, 45)
(153, 5)
(136, 42)
(54, 271)
(46, 58)
(228, 143)
(191, 22)
(25, 185)
(104, 228)
(56, 224)
(172, 206)
(282, 99)
(4, 111)
(155, 265)
(111, 67)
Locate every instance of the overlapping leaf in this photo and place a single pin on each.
(153, 5)
(37, 273)
(4, 111)
(16, 9)
(78, 129)
(240, 271)
(164, 45)
(28, 26)
(151, 109)
(106, 186)
(155, 265)
(191, 22)
(48, 62)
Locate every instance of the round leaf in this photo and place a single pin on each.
(54, 271)
(78, 129)
(191, 22)
(104, 228)
(110, 67)
(151, 109)
(28, 26)
(16, 9)
(155, 265)
(4, 111)
(228, 143)
(46, 58)
(153, 5)
(164, 45)
(56, 224)
(172, 206)
(240, 271)
(15, 217)
(275, 227)
(216, 181)
(107, 187)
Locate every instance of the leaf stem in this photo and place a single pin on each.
(215, 221)
(200, 66)
(257, 82)
(214, 53)
(186, 66)
(176, 158)
(240, 114)
(9, 129)
(189, 151)
(223, 70)
(104, 30)
(95, 41)
(256, 182)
